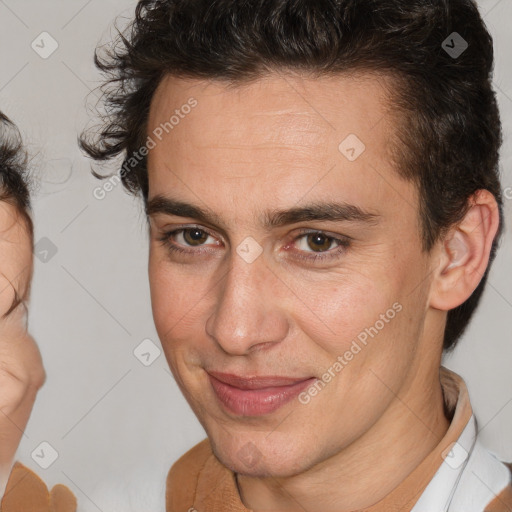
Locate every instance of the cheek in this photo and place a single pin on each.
(168, 301)
(337, 314)
(373, 307)
(177, 301)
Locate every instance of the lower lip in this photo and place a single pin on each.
(256, 402)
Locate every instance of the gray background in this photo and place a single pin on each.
(116, 424)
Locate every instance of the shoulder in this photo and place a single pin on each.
(183, 476)
(26, 491)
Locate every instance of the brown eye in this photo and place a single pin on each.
(317, 246)
(319, 242)
(195, 236)
(192, 241)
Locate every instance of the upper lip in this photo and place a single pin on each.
(256, 381)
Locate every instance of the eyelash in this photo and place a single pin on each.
(343, 243)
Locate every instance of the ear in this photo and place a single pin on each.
(464, 253)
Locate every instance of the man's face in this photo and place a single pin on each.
(242, 298)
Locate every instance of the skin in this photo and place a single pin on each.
(21, 368)
(273, 144)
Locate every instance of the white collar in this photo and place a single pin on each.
(470, 476)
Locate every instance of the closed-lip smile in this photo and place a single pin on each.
(255, 395)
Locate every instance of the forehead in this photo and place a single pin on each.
(356, 101)
(289, 131)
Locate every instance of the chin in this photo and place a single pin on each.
(254, 455)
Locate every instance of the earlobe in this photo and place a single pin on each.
(465, 253)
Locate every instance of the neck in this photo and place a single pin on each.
(366, 471)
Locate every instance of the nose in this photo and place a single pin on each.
(247, 316)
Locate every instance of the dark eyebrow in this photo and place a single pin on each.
(334, 212)
(318, 211)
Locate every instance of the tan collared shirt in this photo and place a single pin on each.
(459, 475)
